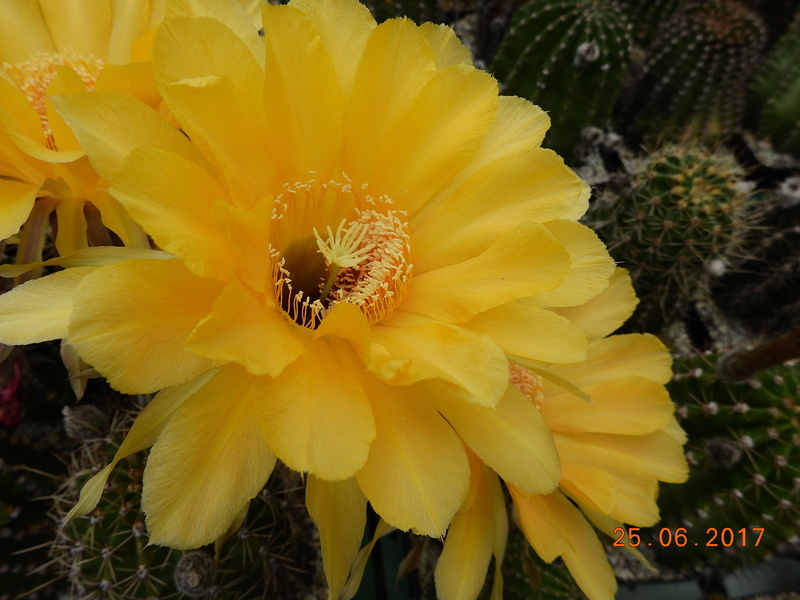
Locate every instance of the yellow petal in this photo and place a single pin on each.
(397, 62)
(587, 562)
(230, 14)
(554, 527)
(518, 128)
(129, 21)
(88, 257)
(171, 197)
(104, 123)
(244, 328)
(208, 463)
(343, 27)
(607, 311)
(594, 486)
(347, 322)
(417, 473)
(83, 27)
(303, 130)
(23, 32)
(143, 433)
(539, 524)
(340, 511)
(591, 268)
(652, 455)
(134, 80)
(461, 568)
(620, 356)
(316, 416)
(629, 405)
(532, 184)
(447, 48)
(437, 351)
(523, 329)
(39, 310)
(435, 137)
(17, 203)
(526, 261)
(131, 320)
(206, 66)
(511, 438)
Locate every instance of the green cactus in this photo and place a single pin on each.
(775, 93)
(691, 84)
(743, 451)
(569, 57)
(647, 17)
(105, 554)
(682, 211)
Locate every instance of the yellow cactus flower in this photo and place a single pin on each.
(357, 237)
(613, 449)
(53, 47)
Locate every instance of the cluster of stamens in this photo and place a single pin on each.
(366, 258)
(34, 76)
(528, 382)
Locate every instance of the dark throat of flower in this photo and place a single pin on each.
(331, 243)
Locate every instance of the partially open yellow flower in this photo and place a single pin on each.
(359, 235)
(614, 449)
(56, 47)
(52, 47)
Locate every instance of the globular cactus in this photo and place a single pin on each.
(683, 211)
(693, 80)
(744, 452)
(569, 57)
(775, 93)
(105, 554)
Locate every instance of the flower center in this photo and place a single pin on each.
(331, 243)
(33, 77)
(528, 382)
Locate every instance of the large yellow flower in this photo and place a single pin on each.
(358, 236)
(614, 449)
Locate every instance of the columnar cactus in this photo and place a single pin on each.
(647, 17)
(683, 211)
(691, 83)
(775, 93)
(569, 57)
(743, 451)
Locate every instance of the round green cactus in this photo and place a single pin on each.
(693, 80)
(685, 209)
(569, 57)
(743, 451)
(106, 553)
